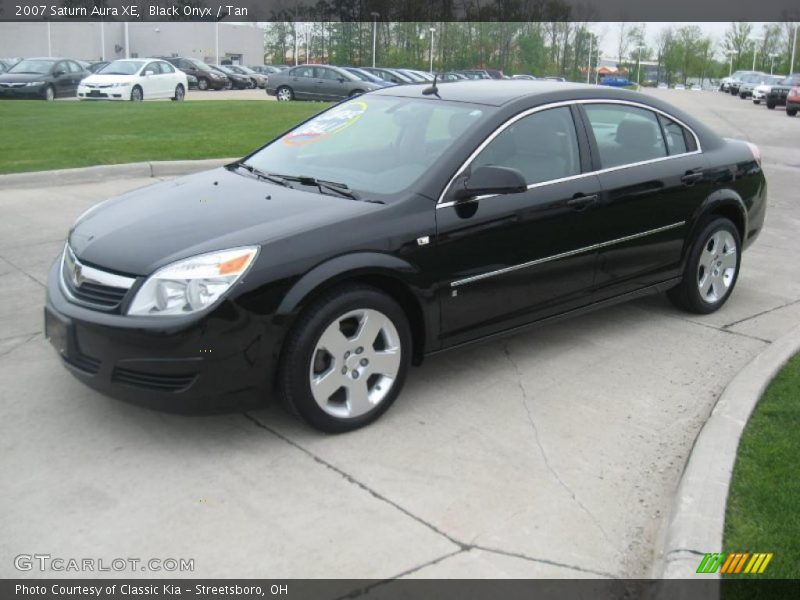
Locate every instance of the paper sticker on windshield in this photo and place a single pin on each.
(328, 124)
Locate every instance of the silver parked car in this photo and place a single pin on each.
(317, 82)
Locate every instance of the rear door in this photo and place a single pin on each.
(512, 259)
(305, 85)
(62, 79)
(653, 177)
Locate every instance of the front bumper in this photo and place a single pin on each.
(109, 93)
(214, 362)
(23, 92)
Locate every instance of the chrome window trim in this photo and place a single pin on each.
(91, 275)
(530, 111)
(567, 254)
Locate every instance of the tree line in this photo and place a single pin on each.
(557, 47)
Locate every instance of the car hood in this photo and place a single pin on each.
(99, 79)
(140, 231)
(24, 77)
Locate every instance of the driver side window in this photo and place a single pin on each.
(542, 146)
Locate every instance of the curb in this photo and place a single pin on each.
(697, 519)
(164, 168)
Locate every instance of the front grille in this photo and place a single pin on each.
(90, 286)
(84, 363)
(153, 381)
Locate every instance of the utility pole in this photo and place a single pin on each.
(433, 30)
(794, 48)
(49, 41)
(755, 51)
(216, 42)
(102, 40)
(374, 35)
(639, 64)
(127, 41)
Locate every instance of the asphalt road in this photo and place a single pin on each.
(554, 453)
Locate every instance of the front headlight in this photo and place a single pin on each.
(33, 83)
(193, 284)
(122, 84)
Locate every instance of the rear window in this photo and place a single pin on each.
(625, 134)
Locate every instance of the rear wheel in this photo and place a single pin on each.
(711, 270)
(346, 359)
(770, 105)
(791, 112)
(284, 93)
(136, 94)
(756, 101)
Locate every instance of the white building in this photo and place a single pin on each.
(237, 43)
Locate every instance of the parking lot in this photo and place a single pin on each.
(554, 453)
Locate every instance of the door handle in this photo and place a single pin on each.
(691, 177)
(580, 202)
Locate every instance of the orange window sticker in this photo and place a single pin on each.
(332, 122)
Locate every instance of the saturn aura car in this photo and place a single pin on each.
(392, 226)
(135, 79)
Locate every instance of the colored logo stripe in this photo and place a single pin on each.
(734, 562)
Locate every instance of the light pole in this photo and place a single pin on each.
(433, 30)
(755, 51)
(589, 66)
(639, 64)
(794, 48)
(216, 42)
(730, 54)
(296, 61)
(772, 56)
(127, 41)
(49, 41)
(374, 34)
(597, 70)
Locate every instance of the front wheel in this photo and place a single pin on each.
(791, 112)
(346, 359)
(770, 105)
(711, 270)
(202, 84)
(136, 94)
(49, 93)
(756, 101)
(180, 93)
(284, 94)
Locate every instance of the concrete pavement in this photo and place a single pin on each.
(555, 453)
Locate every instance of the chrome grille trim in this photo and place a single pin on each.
(103, 290)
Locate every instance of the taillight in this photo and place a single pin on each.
(755, 151)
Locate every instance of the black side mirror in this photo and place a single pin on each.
(59, 73)
(490, 180)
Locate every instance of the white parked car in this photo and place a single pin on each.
(696, 88)
(680, 86)
(760, 91)
(135, 79)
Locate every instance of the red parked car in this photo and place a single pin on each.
(793, 101)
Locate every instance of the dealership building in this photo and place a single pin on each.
(237, 43)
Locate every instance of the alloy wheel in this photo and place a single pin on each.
(49, 93)
(284, 94)
(716, 269)
(355, 363)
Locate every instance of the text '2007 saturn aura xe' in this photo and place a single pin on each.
(397, 224)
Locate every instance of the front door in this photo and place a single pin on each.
(511, 259)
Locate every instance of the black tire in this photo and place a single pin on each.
(687, 295)
(49, 93)
(770, 105)
(791, 112)
(284, 94)
(180, 93)
(137, 95)
(742, 96)
(300, 354)
(202, 84)
(756, 101)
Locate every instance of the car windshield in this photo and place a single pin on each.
(122, 67)
(242, 69)
(373, 144)
(362, 75)
(791, 80)
(41, 67)
(225, 69)
(198, 64)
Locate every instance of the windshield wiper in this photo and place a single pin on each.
(276, 179)
(333, 186)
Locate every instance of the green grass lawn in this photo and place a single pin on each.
(763, 513)
(40, 136)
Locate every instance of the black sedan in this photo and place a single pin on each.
(42, 78)
(238, 81)
(778, 92)
(391, 226)
(317, 82)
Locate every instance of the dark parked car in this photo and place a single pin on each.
(475, 74)
(737, 79)
(265, 69)
(258, 80)
(390, 75)
(367, 76)
(749, 82)
(238, 81)
(208, 78)
(324, 264)
(779, 91)
(317, 82)
(45, 78)
(451, 76)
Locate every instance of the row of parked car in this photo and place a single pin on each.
(135, 79)
(772, 90)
